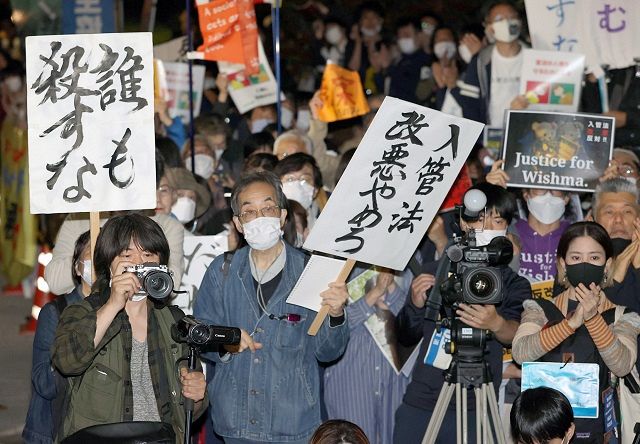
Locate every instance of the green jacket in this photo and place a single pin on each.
(100, 389)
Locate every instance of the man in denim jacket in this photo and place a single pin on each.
(267, 389)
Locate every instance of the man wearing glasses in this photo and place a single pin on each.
(267, 389)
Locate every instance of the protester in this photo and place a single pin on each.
(48, 387)
(581, 322)
(191, 199)
(116, 346)
(542, 415)
(276, 361)
(364, 35)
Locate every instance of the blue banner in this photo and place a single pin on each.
(88, 16)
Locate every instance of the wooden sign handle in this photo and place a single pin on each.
(324, 311)
(94, 227)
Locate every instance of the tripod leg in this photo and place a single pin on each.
(465, 426)
(495, 415)
(488, 435)
(438, 414)
(458, 414)
(477, 393)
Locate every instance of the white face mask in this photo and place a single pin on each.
(286, 117)
(262, 233)
(444, 49)
(546, 208)
(428, 28)
(369, 32)
(86, 272)
(259, 124)
(184, 209)
(465, 53)
(484, 237)
(407, 45)
(333, 35)
(209, 83)
(632, 180)
(205, 165)
(300, 191)
(303, 120)
(507, 30)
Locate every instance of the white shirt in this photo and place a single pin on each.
(505, 85)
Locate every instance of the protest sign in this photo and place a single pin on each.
(174, 50)
(557, 151)
(551, 80)
(229, 32)
(542, 289)
(394, 185)
(88, 17)
(91, 128)
(553, 24)
(199, 251)
(342, 94)
(251, 90)
(176, 76)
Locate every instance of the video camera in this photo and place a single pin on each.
(194, 333)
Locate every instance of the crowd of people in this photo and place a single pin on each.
(104, 352)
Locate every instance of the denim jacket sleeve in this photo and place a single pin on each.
(331, 342)
(42, 373)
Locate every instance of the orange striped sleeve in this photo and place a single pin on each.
(551, 337)
(600, 332)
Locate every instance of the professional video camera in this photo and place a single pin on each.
(155, 279)
(196, 334)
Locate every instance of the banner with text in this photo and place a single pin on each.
(91, 130)
(394, 185)
(557, 151)
(176, 93)
(342, 94)
(551, 80)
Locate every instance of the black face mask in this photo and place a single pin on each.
(584, 273)
(619, 245)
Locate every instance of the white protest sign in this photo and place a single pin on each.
(319, 271)
(250, 91)
(91, 131)
(394, 185)
(172, 51)
(199, 251)
(177, 89)
(553, 24)
(552, 80)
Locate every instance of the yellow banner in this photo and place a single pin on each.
(542, 289)
(342, 95)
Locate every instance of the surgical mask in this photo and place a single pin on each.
(303, 120)
(262, 233)
(584, 273)
(259, 124)
(209, 83)
(465, 53)
(368, 32)
(205, 165)
(407, 45)
(86, 272)
(632, 180)
(484, 237)
(184, 209)
(300, 191)
(507, 30)
(286, 117)
(444, 49)
(428, 28)
(333, 35)
(546, 208)
(619, 245)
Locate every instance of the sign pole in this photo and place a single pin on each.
(342, 277)
(94, 224)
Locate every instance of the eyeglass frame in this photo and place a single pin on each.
(242, 216)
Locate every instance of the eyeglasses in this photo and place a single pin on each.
(164, 189)
(249, 215)
(626, 170)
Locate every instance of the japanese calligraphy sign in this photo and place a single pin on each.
(394, 185)
(553, 24)
(251, 90)
(91, 131)
(229, 32)
(199, 251)
(552, 80)
(557, 151)
(175, 88)
(342, 94)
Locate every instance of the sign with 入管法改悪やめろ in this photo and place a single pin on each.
(91, 125)
(394, 184)
(557, 151)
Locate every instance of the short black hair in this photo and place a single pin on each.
(78, 249)
(585, 228)
(260, 161)
(539, 415)
(408, 21)
(257, 140)
(498, 199)
(372, 6)
(487, 8)
(169, 151)
(296, 162)
(115, 237)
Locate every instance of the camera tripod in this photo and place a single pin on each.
(460, 375)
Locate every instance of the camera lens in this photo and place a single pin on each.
(158, 284)
(200, 334)
(481, 284)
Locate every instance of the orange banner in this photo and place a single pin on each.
(229, 32)
(342, 95)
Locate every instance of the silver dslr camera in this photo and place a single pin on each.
(156, 280)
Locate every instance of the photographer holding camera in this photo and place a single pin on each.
(116, 346)
(501, 317)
